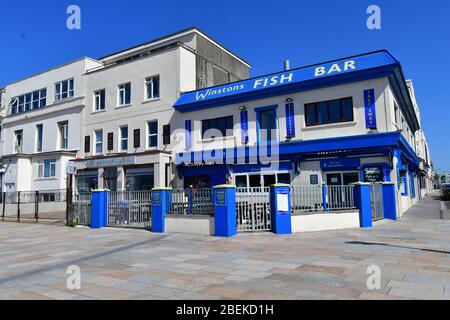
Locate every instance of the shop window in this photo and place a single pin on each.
(327, 112)
(87, 181)
(241, 181)
(110, 178)
(284, 178)
(139, 179)
(255, 181)
(224, 125)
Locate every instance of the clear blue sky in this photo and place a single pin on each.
(34, 37)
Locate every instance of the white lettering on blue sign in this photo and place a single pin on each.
(336, 68)
(214, 92)
(272, 81)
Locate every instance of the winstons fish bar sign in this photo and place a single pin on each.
(252, 88)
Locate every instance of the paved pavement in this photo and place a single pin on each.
(413, 255)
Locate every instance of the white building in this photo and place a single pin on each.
(112, 116)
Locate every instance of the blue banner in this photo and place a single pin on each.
(369, 106)
(290, 121)
(244, 127)
(188, 134)
(285, 78)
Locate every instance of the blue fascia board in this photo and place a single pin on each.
(369, 143)
(369, 65)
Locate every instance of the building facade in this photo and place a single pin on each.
(112, 117)
(336, 123)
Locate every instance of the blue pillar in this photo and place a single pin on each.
(280, 208)
(224, 198)
(389, 201)
(99, 208)
(161, 204)
(361, 194)
(324, 197)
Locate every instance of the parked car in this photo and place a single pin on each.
(445, 191)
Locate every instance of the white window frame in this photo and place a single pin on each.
(98, 100)
(17, 149)
(122, 138)
(63, 128)
(59, 89)
(121, 94)
(149, 95)
(29, 99)
(261, 176)
(150, 135)
(51, 169)
(98, 142)
(39, 144)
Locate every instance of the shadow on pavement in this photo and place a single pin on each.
(395, 246)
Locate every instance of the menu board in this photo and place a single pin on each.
(373, 174)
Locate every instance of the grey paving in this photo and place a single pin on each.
(413, 255)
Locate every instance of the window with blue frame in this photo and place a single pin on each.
(327, 112)
(29, 101)
(224, 125)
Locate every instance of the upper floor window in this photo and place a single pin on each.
(39, 133)
(47, 168)
(152, 87)
(224, 125)
(29, 101)
(152, 134)
(63, 135)
(64, 90)
(123, 138)
(18, 143)
(124, 94)
(396, 111)
(333, 111)
(99, 100)
(99, 141)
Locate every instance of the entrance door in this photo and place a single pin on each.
(334, 179)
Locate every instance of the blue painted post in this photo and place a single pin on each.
(389, 201)
(280, 208)
(324, 197)
(99, 208)
(224, 199)
(191, 200)
(361, 194)
(161, 204)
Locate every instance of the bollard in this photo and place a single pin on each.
(99, 208)
(224, 199)
(161, 204)
(389, 201)
(280, 209)
(361, 193)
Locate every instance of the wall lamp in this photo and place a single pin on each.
(289, 100)
(242, 108)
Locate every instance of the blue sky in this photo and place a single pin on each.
(34, 37)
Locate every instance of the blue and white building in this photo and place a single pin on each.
(349, 120)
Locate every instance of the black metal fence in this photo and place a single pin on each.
(48, 205)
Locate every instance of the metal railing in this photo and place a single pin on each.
(340, 198)
(34, 205)
(82, 205)
(192, 201)
(310, 199)
(130, 209)
(253, 209)
(306, 199)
